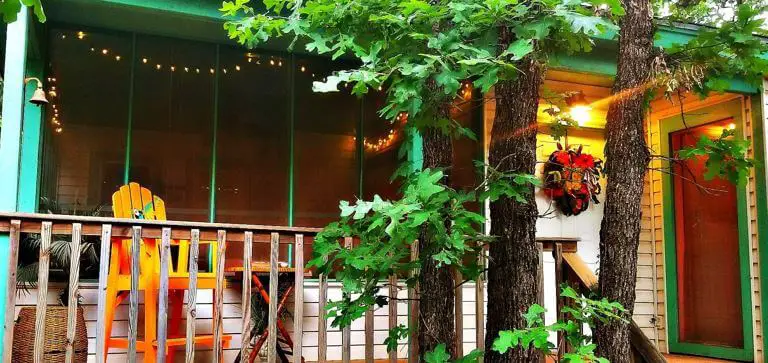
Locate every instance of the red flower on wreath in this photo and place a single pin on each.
(572, 179)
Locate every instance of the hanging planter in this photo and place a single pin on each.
(572, 179)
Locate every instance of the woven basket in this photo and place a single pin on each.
(54, 349)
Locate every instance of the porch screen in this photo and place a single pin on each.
(326, 161)
(254, 147)
(221, 133)
(172, 123)
(707, 247)
(86, 120)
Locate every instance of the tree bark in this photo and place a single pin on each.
(513, 258)
(627, 158)
(436, 295)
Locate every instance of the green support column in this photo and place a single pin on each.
(31, 145)
(415, 152)
(10, 139)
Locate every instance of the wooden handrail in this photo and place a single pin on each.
(579, 272)
(39, 217)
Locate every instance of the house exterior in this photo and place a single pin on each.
(153, 92)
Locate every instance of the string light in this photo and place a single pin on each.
(158, 66)
(387, 140)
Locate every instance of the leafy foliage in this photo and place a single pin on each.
(440, 355)
(59, 251)
(384, 231)
(726, 157)
(724, 48)
(536, 334)
(10, 9)
(410, 44)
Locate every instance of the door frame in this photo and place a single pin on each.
(725, 110)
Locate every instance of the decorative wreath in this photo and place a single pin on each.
(572, 179)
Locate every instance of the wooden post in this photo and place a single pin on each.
(393, 313)
(101, 334)
(322, 320)
(480, 306)
(42, 290)
(413, 312)
(458, 310)
(540, 281)
(74, 279)
(133, 308)
(557, 253)
(246, 299)
(346, 331)
(274, 254)
(162, 302)
(369, 335)
(10, 295)
(218, 298)
(192, 295)
(298, 299)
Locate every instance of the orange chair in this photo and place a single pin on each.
(135, 201)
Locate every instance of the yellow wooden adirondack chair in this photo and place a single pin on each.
(137, 202)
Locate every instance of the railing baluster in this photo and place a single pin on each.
(413, 307)
(218, 319)
(162, 302)
(42, 290)
(101, 334)
(298, 302)
(74, 279)
(322, 319)
(192, 295)
(369, 335)
(133, 308)
(346, 331)
(480, 306)
(557, 253)
(246, 299)
(274, 254)
(10, 293)
(393, 313)
(540, 282)
(458, 308)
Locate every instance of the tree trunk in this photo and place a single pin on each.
(513, 258)
(436, 293)
(627, 157)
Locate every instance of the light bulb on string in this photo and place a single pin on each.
(80, 35)
(104, 51)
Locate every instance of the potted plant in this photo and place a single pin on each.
(59, 268)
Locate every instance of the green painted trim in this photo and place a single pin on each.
(416, 151)
(31, 144)
(669, 125)
(129, 131)
(291, 145)
(10, 139)
(758, 129)
(291, 137)
(359, 146)
(214, 139)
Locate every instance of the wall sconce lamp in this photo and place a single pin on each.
(38, 98)
(579, 107)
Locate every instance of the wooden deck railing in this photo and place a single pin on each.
(48, 225)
